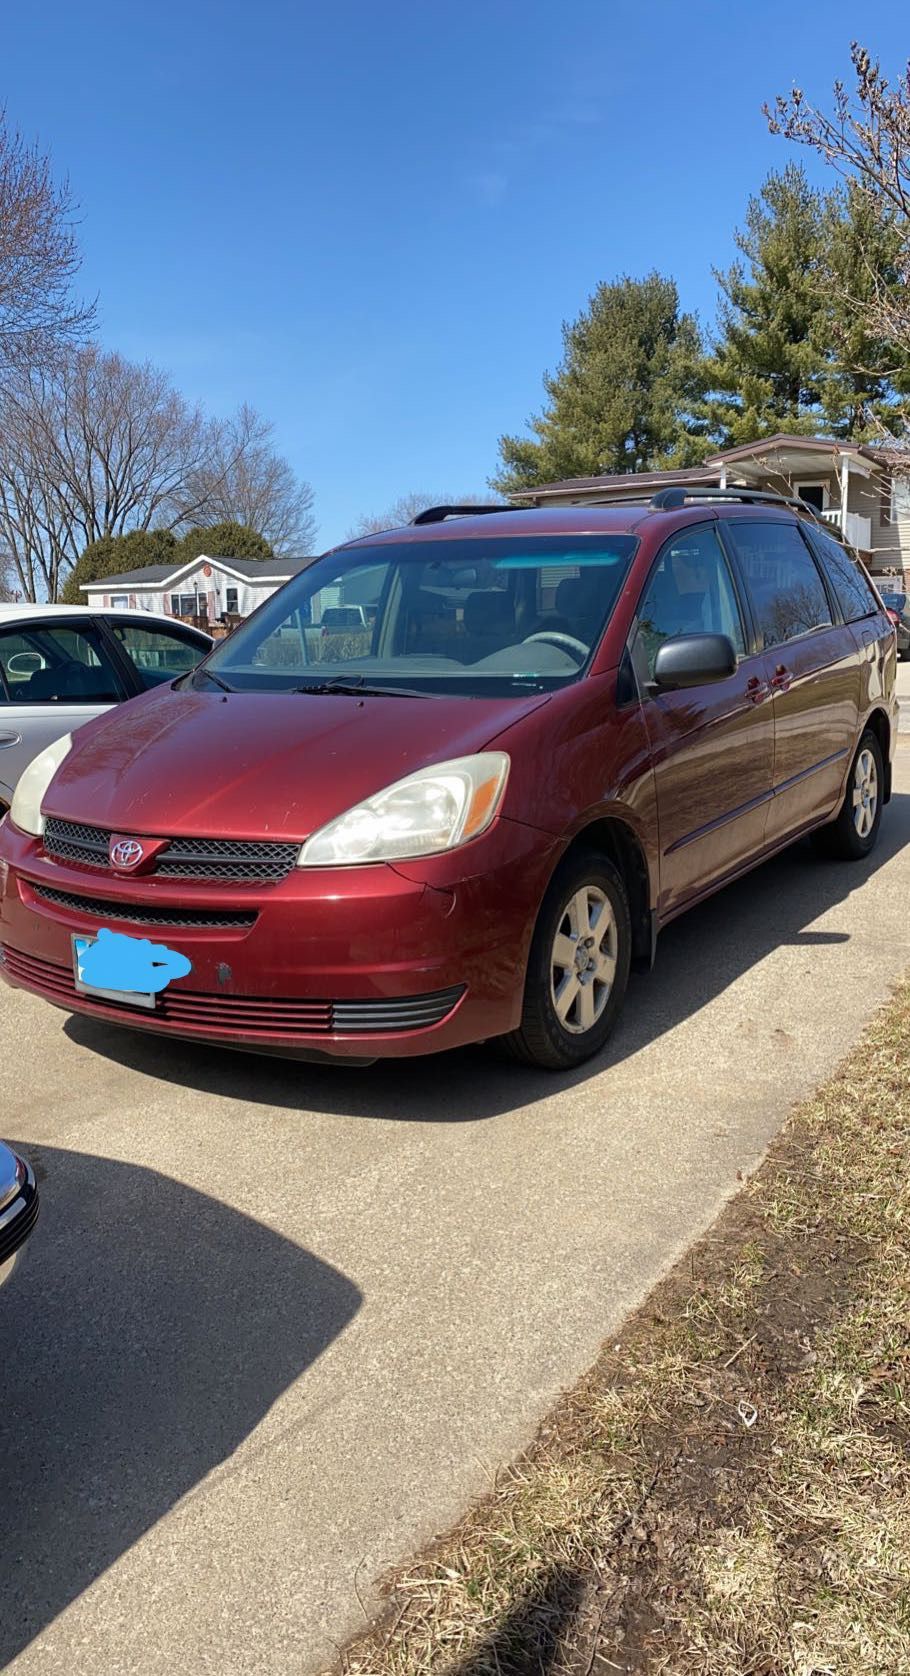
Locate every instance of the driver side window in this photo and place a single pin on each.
(690, 591)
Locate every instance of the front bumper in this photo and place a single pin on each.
(358, 963)
(17, 1219)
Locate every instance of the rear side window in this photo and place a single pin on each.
(157, 654)
(788, 595)
(854, 595)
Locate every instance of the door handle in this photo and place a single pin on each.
(757, 689)
(782, 679)
(9, 739)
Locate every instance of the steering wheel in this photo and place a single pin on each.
(555, 637)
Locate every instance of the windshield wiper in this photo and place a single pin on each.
(211, 676)
(359, 689)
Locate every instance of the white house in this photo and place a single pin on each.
(863, 491)
(208, 587)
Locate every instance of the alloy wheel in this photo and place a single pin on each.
(865, 793)
(583, 959)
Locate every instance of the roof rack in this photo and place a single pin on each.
(438, 514)
(668, 500)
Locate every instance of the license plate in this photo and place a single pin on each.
(132, 997)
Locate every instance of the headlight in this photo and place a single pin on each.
(436, 809)
(25, 811)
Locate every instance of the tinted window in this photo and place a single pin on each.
(157, 654)
(474, 616)
(690, 591)
(854, 595)
(44, 665)
(787, 591)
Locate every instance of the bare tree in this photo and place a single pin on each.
(114, 439)
(405, 509)
(95, 445)
(39, 257)
(8, 588)
(866, 138)
(244, 481)
(33, 527)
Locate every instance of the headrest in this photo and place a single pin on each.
(69, 680)
(579, 596)
(488, 612)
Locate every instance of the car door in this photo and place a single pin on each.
(712, 746)
(813, 670)
(55, 674)
(155, 652)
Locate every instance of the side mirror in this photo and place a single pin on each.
(692, 660)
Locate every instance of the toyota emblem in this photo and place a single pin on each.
(126, 853)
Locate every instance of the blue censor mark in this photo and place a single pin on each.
(116, 962)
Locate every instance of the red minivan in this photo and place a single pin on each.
(546, 734)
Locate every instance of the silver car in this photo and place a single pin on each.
(18, 1209)
(60, 665)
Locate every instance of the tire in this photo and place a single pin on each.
(854, 833)
(583, 887)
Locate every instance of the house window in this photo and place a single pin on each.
(231, 602)
(183, 605)
(814, 494)
(899, 509)
(120, 602)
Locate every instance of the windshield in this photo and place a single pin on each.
(476, 617)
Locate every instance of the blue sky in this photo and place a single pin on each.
(370, 219)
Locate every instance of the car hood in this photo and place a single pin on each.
(259, 765)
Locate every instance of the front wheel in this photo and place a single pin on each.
(853, 834)
(578, 967)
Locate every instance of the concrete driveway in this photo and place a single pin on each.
(903, 693)
(280, 1323)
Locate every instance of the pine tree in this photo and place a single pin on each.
(768, 368)
(114, 555)
(225, 540)
(627, 395)
(864, 375)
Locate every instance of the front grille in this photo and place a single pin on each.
(251, 1016)
(66, 841)
(240, 860)
(198, 918)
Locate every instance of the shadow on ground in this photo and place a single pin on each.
(130, 1369)
(532, 1637)
(698, 956)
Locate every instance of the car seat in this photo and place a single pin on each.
(489, 624)
(581, 602)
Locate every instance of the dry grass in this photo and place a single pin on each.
(728, 1492)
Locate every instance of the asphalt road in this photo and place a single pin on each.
(279, 1323)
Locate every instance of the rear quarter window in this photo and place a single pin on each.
(853, 592)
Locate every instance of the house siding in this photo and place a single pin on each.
(212, 591)
(890, 541)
